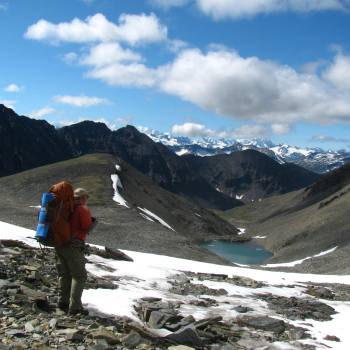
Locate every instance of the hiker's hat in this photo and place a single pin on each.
(80, 192)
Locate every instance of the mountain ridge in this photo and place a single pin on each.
(314, 159)
(46, 145)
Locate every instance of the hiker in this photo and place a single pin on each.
(70, 257)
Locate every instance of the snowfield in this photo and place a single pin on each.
(149, 276)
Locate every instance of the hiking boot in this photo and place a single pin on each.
(78, 312)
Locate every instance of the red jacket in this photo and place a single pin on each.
(80, 222)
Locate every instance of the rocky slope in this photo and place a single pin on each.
(119, 226)
(304, 223)
(250, 175)
(259, 317)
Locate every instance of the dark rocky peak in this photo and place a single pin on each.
(87, 127)
(26, 143)
(130, 135)
(11, 119)
(86, 137)
(329, 183)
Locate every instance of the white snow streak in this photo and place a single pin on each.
(241, 230)
(146, 217)
(117, 196)
(297, 262)
(157, 218)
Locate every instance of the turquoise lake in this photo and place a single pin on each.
(247, 253)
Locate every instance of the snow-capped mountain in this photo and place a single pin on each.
(314, 159)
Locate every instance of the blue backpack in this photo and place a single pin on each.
(42, 229)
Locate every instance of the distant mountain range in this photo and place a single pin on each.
(314, 159)
(218, 182)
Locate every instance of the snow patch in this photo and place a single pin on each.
(117, 196)
(297, 262)
(182, 152)
(149, 274)
(157, 218)
(239, 196)
(259, 237)
(241, 230)
(146, 217)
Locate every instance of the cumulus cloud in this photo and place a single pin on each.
(247, 88)
(109, 53)
(191, 129)
(250, 131)
(43, 112)
(13, 88)
(3, 7)
(176, 45)
(132, 29)
(221, 9)
(120, 74)
(199, 130)
(81, 101)
(280, 129)
(339, 72)
(313, 67)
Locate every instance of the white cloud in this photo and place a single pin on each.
(199, 130)
(339, 72)
(107, 54)
(176, 45)
(132, 29)
(13, 88)
(313, 67)
(40, 113)
(70, 57)
(166, 4)
(223, 82)
(246, 88)
(81, 101)
(252, 89)
(3, 7)
(8, 103)
(220, 9)
(280, 129)
(192, 130)
(119, 74)
(250, 131)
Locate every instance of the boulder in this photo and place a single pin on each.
(262, 322)
(187, 336)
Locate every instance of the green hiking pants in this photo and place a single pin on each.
(70, 263)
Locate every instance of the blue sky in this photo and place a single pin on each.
(278, 69)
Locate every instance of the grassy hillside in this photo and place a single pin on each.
(298, 225)
(118, 226)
